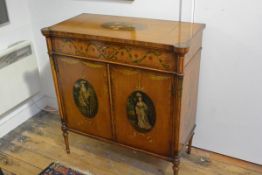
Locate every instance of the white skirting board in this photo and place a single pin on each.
(21, 113)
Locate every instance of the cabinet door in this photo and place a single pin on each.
(142, 103)
(84, 88)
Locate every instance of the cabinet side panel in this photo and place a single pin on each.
(195, 44)
(189, 100)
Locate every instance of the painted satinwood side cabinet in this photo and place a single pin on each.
(128, 81)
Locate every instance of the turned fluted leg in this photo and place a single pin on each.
(65, 134)
(176, 164)
(190, 144)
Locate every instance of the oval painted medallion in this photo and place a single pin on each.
(85, 98)
(141, 111)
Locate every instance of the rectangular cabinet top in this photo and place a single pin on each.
(139, 31)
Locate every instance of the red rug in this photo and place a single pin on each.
(59, 169)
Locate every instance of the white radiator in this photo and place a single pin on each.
(19, 76)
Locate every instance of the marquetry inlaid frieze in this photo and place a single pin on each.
(152, 58)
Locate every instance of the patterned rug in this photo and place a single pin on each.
(5, 172)
(56, 168)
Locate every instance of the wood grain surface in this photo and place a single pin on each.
(35, 144)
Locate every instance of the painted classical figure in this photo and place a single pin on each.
(84, 96)
(141, 113)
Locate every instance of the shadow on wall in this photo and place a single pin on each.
(20, 90)
(35, 84)
(47, 83)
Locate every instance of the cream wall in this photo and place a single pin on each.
(230, 96)
(229, 114)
